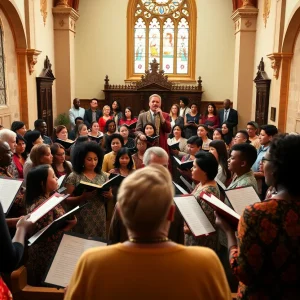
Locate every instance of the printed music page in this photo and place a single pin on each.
(46, 206)
(8, 191)
(68, 253)
(242, 197)
(194, 215)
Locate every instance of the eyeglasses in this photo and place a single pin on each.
(266, 159)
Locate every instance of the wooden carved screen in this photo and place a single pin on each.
(44, 95)
(262, 95)
(136, 95)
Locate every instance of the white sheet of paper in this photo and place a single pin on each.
(242, 197)
(68, 253)
(8, 191)
(60, 180)
(217, 202)
(45, 207)
(194, 215)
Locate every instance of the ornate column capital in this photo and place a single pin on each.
(65, 17)
(244, 18)
(276, 59)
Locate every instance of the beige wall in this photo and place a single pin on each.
(100, 47)
(293, 120)
(290, 5)
(264, 46)
(9, 112)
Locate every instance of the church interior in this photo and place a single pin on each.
(53, 52)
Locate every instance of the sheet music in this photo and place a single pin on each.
(217, 202)
(8, 191)
(68, 253)
(46, 206)
(60, 180)
(41, 231)
(242, 197)
(177, 160)
(194, 215)
(183, 191)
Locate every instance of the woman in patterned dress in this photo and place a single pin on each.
(87, 162)
(204, 171)
(265, 256)
(41, 182)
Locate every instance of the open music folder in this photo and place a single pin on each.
(186, 165)
(9, 189)
(56, 225)
(46, 206)
(66, 257)
(221, 208)
(194, 215)
(241, 197)
(115, 179)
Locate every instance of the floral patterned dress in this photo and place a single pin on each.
(41, 253)
(91, 220)
(267, 261)
(209, 241)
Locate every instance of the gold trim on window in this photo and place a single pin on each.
(192, 21)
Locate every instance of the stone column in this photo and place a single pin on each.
(245, 32)
(65, 18)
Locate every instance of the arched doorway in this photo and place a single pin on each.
(288, 64)
(11, 14)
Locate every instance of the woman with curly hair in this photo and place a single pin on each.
(87, 163)
(265, 254)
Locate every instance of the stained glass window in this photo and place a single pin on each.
(164, 30)
(2, 71)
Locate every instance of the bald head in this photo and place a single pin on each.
(227, 103)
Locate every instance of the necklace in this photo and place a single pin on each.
(148, 241)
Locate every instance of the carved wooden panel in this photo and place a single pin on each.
(44, 95)
(262, 95)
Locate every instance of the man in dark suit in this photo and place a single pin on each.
(228, 114)
(92, 114)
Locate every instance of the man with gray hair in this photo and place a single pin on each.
(9, 136)
(117, 231)
(158, 118)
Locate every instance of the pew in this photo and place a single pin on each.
(22, 291)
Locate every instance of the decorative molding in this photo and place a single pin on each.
(248, 23)
(43, 10)
(266, 12)
(276, 59)
(32, 56)
(65, 17)
(275, 63)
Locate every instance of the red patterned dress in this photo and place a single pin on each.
(267, 260)
(5, 293)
